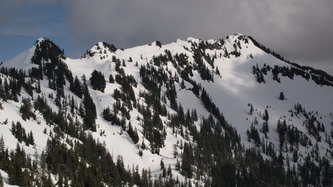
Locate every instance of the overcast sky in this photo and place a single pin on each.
(300, 30)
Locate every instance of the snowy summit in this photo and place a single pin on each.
(226, 112)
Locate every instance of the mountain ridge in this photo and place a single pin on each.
(154, 103)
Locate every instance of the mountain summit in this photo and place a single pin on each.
(220, 112)
(44, 50)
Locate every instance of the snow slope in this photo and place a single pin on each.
(232, 91)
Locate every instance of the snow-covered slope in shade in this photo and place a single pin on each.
(23, 60)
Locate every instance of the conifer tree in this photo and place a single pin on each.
(133, 134)
(26, 108)
(265, 129)
(266, 116)
(2, 150)
(89, 111)
(111, 79)
(77, 87)
(175, 151)
(31, 140)
(281, 96)
(97, 81)
(187, 160)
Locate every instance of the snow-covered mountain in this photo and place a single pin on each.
(192, 112)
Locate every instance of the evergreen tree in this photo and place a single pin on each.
(133, 134)
(107, 115)
(254, 135)
(265, 129)
(97, 81)
(175, 151)
(31, 140)
(187, 160)
(15, 173)
(26, 108)
(265, 116)
(281, 96)
(2, 152)
(162, 164)
(77, 87)
(206, 100)
(89, 111)
(111, 79)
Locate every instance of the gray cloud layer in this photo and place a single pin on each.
(300, 30)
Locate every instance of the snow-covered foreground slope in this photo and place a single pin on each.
(280, 109)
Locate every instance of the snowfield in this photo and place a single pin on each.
(233, 91)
